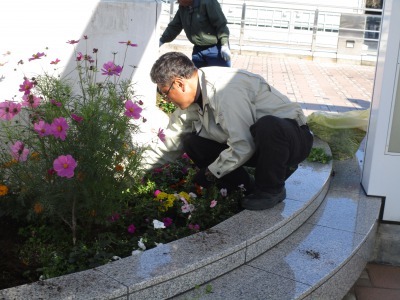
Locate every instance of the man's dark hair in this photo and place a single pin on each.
(171, 65)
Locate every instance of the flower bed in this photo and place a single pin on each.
(71, 176)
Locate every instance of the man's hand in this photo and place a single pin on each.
(226, 52)
(204, 178)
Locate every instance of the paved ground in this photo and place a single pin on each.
(323, 86)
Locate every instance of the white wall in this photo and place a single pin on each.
(381, 167)
(28, 27)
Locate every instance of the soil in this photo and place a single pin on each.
(11, 268)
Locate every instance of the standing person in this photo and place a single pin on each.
(206, 28)
(226, 119)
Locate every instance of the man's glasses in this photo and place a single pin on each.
(162, 95)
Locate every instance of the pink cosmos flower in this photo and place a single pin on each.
(31, 100)
(185, 156)
(131, 228)
(132, 109)
(167, 221)
(73, 42)
(9, 109)
(59, 128)
(19, 152)
(109, 68)
(26, 86)
(161, 134)
(156, 192)
(79, 56)
(213, 203)
(76, 118)
(56, 103)
(157, 170)
(42, 128)
(36, 56)
(54, 62)
(129, 43)
(64, 165)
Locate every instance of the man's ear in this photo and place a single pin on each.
(181, 83)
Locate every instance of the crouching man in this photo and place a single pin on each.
(227, 119)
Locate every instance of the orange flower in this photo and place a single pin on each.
(92, 213)
(80, 176)
(3, 190)
(35, 155)
(9, 164)
(119, 168)
(38, 208)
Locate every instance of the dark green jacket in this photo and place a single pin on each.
(204, 24)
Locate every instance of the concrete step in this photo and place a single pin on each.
(296, 250)
(322, 259)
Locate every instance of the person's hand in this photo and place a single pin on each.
(161, 43)
(204, 178)
(226, 52)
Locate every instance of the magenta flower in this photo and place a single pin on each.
(76, 118)
(185, 156)
(56, 103)
(36, 56)
(79, 56)
(9, 109)
(129, 43)
(42, 128)
(59, 128)
(167, 221)
(156, 192)
(26, 86)
(213, 203)
(194, 227)
(19, 152)
(31, 100)
(161, 134)
(54, 62)
(64, 165)
(109, 68)
(132, 109)
(131, 228)
(73, 42)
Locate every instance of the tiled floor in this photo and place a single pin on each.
(377, 282)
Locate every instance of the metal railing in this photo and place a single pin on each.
(300, 27)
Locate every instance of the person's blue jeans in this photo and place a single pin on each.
(207, 56)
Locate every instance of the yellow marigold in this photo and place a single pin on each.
(119, 168)
(38, 208)
(132, 153)
(3, 190)
(185, 195)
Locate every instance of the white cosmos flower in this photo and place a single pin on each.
(158, 224)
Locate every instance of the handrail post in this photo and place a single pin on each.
(242, 24)
(314, 34)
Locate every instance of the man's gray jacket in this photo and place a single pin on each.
(233, 100)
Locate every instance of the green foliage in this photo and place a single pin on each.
(319, 155)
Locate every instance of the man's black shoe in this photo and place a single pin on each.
(263, 200)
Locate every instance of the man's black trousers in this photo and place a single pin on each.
(281, 144)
